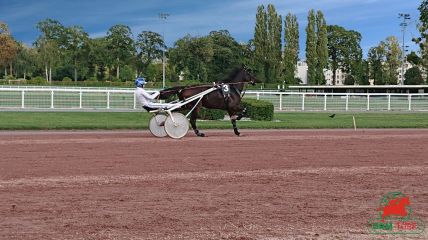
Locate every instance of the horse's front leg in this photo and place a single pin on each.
(242, 112)
(193, 118)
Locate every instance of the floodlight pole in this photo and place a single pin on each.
(405, 17)
(163, 16)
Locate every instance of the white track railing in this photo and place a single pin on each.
(304, 101)
(124, 100)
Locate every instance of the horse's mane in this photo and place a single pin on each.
(167, 92)
(229, 78)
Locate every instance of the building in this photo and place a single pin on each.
(302, 73)
(361, 88)
(340, 77)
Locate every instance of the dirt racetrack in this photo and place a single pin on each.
(276, 184)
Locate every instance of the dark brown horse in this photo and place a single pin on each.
(219, 99)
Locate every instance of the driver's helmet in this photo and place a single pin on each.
(139, 82)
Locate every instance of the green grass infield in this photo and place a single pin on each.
(139, 120)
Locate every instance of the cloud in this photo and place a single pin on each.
(375, 19)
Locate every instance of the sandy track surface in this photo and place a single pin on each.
(276, 184)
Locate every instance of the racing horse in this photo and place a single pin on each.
(226, 97)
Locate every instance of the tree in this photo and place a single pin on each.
(423, 29)
(349, 80)
(311, 48)
(192, 55)
(291, 48)
(150, 46)
(384, 61)
(25, 61)
(267, 43)
(274, 23)
(365, 73)
(8, 48)
(226, 55)
(260, 43)
(413, 76)
(48, 53)
(49, 44)
(393, 55)
(120, 45)
(321, 48)
(344, 50)
(99, 59)
(154, 72)
(247, 54)
(77, 47)
(414, 59)
(376, 58)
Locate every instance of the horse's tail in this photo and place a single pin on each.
(168, 92)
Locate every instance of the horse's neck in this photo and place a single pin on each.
(239, 86)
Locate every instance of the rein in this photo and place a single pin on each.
(200, 86)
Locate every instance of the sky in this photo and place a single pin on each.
(374, 19)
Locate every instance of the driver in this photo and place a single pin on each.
(146, 99)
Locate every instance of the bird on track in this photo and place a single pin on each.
(332, 115)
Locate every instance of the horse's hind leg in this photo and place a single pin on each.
(193, 118)
(233, 118)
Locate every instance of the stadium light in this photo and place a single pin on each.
(163, 17)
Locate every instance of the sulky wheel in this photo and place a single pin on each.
(176, 125)
(156, 125)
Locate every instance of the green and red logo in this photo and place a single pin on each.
(395, 216)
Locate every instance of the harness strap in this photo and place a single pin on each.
(193, 108)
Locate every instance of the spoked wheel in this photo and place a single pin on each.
(176, 125)
(156, 125)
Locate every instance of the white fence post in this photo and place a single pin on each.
(389, 102)
(135, 101)
(108, 99)
(347, 102)
(23, 99)
(280, 101)
(303, 102)
(410, 102)
(80, 99)
(258, 96)
(325, 102)
(52, 99)
(368, 102)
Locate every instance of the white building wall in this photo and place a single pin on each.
(302, 73)
(340, 77)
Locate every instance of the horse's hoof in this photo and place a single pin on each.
(237, 133)
(201, 134)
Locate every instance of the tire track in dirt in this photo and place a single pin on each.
(212, 175)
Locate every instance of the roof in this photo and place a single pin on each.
(357, 86)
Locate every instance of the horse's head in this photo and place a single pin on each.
(169, 92)
(241, 75)
(405, 201)
(247, 76)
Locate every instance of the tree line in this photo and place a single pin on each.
(68, 53)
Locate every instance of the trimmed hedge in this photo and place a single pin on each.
(258, 109)
(211, 114)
